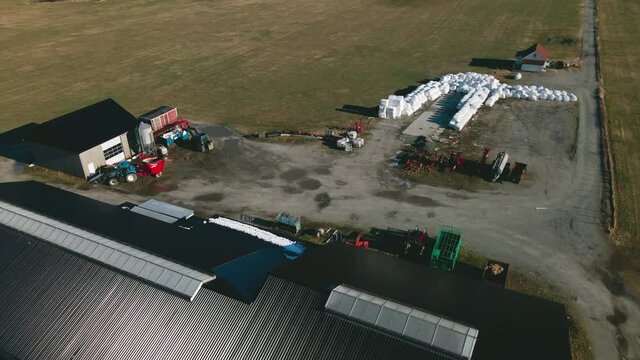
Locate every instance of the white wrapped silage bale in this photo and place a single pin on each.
(566, 98)
(491, 100)
(573, 97)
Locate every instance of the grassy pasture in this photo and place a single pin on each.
(252, 64)
(620, 51)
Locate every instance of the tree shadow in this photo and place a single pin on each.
(492, 63)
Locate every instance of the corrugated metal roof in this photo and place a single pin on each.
(54, 304)
(408, 321)
(164, 273)
(512, 325)
(209, 245)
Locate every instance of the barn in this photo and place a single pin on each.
(79, 142)
(533, 59)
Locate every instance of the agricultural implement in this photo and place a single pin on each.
(446, 248)
(498, 165)
(168, 129)
(129, 171)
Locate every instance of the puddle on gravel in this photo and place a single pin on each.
(322, 170)
(215, 197)
(417, 200)
(293, 174)
(156, 188)
(323, 200)
(618, 317)
(309, 184)
(292, 190)
(612, 281)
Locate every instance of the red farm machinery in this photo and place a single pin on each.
(130, 170)
(169, 129)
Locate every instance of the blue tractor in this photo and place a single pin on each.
(113, 174)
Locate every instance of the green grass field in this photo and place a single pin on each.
(620, 49)
(250, 64)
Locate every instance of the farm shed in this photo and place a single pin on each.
(533, 59)
(81, 141)
(98, 281)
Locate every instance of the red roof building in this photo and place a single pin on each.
(534, 59)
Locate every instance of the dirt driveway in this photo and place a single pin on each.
(549, 225)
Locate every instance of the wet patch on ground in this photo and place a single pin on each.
(612, 281)
(322, 170)
(292, 190)
(431, 215)
(618, 317)
(215, 197)
(417, 200)
(157, 188)
(323, 200)
(309, 184)
(293, 174)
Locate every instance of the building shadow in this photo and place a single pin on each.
(14, 144)
(492, 63)
(359, 110)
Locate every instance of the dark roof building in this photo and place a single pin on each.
(58, 299)
(81, 141)
(85, 128)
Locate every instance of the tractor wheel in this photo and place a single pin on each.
(130, 178)
(112, 182)
(158, 174)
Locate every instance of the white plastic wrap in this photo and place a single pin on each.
(251, 230)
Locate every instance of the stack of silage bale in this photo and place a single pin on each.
(479, 89)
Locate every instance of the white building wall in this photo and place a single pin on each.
(532, 68)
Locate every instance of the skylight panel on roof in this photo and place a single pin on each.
(162, 272)
(412, 323)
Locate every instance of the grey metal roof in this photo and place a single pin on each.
(154, 215)
(164, 273)
(162, 207)
(413, 323)
(54, 304)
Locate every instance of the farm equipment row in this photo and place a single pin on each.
(168, 129)
(417, 161)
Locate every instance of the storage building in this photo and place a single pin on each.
(533, 59)
(96, 281)
(81, 141)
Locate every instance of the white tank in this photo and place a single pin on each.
(145, 138)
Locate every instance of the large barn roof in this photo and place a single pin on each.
(58, 304)
(511, 325)
(85, 128)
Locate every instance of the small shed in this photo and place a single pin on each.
(533, 59)
(79, 142)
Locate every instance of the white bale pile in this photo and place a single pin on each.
(479, 89)
(251, 230)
